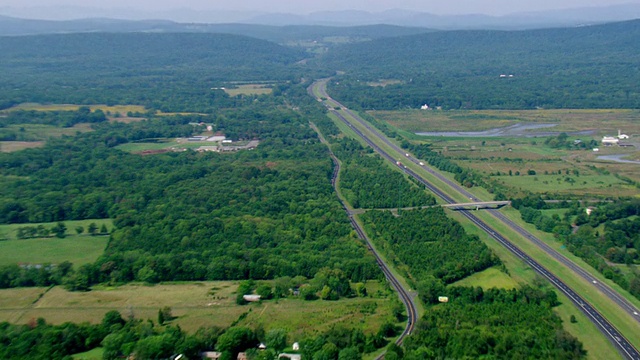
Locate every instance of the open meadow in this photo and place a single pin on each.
(487, 279)
(197, 304)
(76, 248)
(249, 89)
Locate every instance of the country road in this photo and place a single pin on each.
(405, 296)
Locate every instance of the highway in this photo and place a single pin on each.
(405, 297)
(620, 342)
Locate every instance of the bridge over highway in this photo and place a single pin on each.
(477, 205)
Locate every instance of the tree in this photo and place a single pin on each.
(164, 315)
(350, 353)
(103, 229)
(264, 290)
(59, 230)
(276, 339)
(92, 228)
(79, 230)
(236, 339)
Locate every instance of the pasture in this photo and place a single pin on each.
(76, 248)
(196, 304)
(249, 89)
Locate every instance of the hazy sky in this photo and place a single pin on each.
(493, 7)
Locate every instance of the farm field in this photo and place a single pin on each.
(40, 132)
(195, 304)
(10, 231)
(602, 121)
(115, 109)
(77, 249)
(529, 163)
(11, 146)
(249, 89)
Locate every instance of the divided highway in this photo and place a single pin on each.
(620, 342)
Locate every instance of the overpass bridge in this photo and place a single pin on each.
(477, 205)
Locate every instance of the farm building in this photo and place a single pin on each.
(610, 140)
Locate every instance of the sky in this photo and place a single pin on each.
(491, 7)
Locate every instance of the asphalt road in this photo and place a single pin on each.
(620, 342)
(405, 296)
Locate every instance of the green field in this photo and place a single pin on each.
(95, 354)
(196, 304)
(77, 249)
(44, 132)
(249, 89)
(489, 278)
(602, 120)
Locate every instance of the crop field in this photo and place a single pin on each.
(603, 121)
(489, 278)
(249, 89)
(195, 304)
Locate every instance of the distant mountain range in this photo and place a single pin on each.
(20, 21)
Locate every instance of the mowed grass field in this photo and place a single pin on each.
(195, 304)
(487, 279)
(249, 89)
(77, 249)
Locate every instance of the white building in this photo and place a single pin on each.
(610, 140)
(622, 136)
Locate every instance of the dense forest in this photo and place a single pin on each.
(177, 72)
(367, 182)
(436, 251)
(585, 67)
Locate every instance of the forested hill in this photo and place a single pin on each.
(280, 34)
(137, 51)
(136, 68)
(595, 66)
